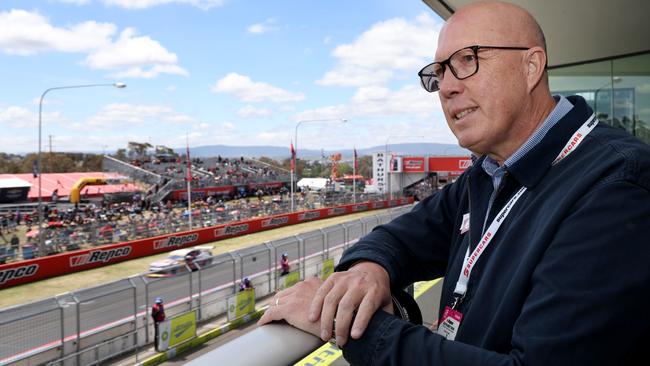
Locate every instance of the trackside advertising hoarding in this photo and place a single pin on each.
(454, 165)
(413, 164)
(17, 273)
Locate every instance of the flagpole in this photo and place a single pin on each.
(189, 181)
(354, 177)
(293, 172)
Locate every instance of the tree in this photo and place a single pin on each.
(121, 154)
(138, 150)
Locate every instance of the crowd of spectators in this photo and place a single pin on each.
(210, 172)
(69, 227)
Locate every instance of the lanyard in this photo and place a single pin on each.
(486, 239)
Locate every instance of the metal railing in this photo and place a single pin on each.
(109, 163)
(78, 323)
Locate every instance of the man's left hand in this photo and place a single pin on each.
(293, 304)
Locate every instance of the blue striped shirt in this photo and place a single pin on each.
(492, 168)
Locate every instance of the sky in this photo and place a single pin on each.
(207, 72)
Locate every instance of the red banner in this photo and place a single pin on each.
(454, 165)
(56, 265)
(413, 164)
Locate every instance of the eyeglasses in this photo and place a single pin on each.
(462, 63)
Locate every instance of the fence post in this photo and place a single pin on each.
(135, 312)
(301, 254)
(77, 305)
(62, 324)
(146, 309)
(326, 244)
(200, 291)
(234, 272)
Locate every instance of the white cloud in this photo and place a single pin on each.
(265, 27)
(28, 33)
(17, 117)
(134, 54)
(143, 4)
(250, 111)
(171, 88)
(243, 88)
(386, 51)
(123, 114)
(227, 126)
(75, 2)
(375, 101)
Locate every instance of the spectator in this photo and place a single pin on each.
(284, 264)
(15, 242)
(158, 315)
(245, 284)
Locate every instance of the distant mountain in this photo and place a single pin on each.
(278, 152)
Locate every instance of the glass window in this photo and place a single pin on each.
(632, 106)
(617, 90)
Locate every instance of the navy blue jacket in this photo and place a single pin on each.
(566, 279)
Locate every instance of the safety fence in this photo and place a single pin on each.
(92, 325)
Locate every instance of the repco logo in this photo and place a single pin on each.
(175, 241)
(360, 207)
(275, 221)
(335, 211)
(99, 256)
(18, 272)
(231, 230)
(308, 216)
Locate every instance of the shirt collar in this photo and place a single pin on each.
(562, 107)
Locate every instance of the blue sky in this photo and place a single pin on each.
(230, 72)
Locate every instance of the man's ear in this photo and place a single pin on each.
(535, 66)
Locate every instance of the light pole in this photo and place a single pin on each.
(390, 192)
(295, 141)
(41, 244)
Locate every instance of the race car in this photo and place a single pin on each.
(179, 260)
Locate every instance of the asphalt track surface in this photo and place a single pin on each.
(102, 312)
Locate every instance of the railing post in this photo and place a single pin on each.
(301, 254)
(135, 311)
(77, 305)
(146, 309)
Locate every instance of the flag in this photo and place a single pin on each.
(293, 157)
(189, 165)
(356, 162)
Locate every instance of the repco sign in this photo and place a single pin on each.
(231, 230)
(97, 256)
(275, 221)
(17, 273)
(335, 211)
(175, 241)
(308, 216)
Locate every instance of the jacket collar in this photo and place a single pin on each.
(532, 167)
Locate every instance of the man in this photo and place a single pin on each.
(542, 242)
(158, 315)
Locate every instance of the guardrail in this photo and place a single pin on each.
(73, 323)
(279, 344)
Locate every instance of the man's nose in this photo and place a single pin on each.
(449, 85)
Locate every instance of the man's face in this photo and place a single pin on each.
(483, 109)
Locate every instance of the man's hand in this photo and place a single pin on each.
(364, 288)
(292, 305)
